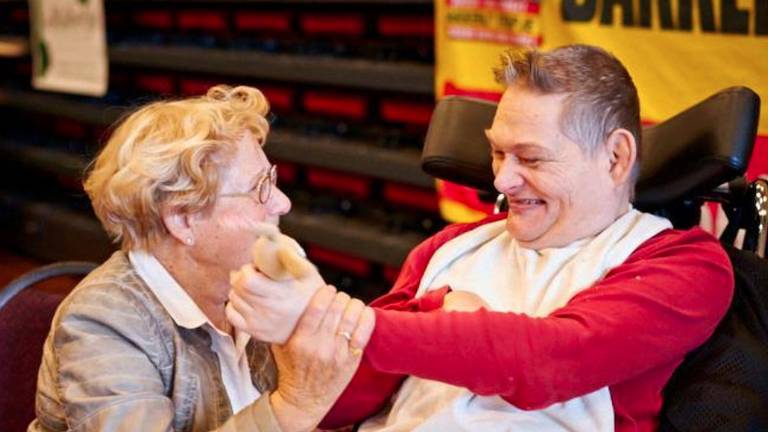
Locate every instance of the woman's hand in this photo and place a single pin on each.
(269, 310)
(320, 358)
(463, 301)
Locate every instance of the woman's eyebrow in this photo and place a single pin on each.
(254, 181)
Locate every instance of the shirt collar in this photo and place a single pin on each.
(172, 296)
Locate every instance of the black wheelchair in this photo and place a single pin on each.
(700, 155)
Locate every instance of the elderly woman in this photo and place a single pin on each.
(143, 343)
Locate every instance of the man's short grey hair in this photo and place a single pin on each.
(601, 96)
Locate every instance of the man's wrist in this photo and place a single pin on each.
(290, 416)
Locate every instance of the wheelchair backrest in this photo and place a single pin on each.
(691, 153)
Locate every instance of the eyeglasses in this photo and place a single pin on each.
(263, 189)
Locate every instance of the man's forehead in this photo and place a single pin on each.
(519, 109)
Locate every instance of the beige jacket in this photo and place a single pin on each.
(114, 360)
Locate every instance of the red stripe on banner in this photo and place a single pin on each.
(347, 184)
(279, 97)
(202, 20)
(354, 265)
(156, 19)
(529, 6)
(451, 89)
(335, 104)
(161, 84)
(463, 194)
(406, 112)
(758, 165)
(342, 24)
(402, 26)
(466, 32)
(263, 21)
(410, 196)
(195, 87)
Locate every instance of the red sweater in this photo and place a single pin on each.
(629, 331)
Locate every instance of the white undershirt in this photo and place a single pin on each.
(488, 262)
(233, 361)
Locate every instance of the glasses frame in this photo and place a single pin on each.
(266, 182)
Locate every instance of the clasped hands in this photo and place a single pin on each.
(317, 334)
(270, 295)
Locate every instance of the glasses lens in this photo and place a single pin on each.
(273, 174)
(266, 183)
(265, 190)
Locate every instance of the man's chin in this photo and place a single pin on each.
(527, 235)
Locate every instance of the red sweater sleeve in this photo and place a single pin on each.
(665, 300)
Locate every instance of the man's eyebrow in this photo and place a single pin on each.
(523, 146)
(533, 147)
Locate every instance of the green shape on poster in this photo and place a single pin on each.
(43, 55)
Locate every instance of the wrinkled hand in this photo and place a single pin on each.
(463, 301)
(317, 362)
(266, 309)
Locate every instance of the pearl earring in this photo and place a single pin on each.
(188, 241)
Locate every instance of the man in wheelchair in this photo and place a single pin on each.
(569, 312)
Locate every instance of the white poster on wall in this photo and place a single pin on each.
(68, 46)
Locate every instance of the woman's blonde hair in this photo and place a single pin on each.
(169, 153)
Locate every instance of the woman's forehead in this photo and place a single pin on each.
(247, 163)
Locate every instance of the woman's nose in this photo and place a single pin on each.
(279, 203)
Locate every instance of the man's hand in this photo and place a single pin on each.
(318, 361)
(463, 301)
(269, 310)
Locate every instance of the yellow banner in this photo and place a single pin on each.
(470, 35)
(678, 51)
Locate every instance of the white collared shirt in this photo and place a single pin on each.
(233, 361)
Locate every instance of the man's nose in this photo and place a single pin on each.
(508, 177)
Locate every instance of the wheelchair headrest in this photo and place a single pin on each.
(693, 152)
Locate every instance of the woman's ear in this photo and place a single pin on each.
(177, 222)
(622, 154)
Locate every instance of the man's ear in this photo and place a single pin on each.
(622, 153)
(178, 224)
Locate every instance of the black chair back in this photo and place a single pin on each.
(691, 153)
